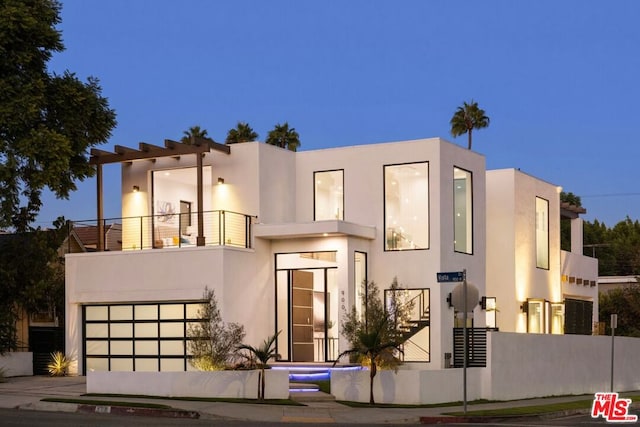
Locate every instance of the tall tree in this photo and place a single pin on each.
(193, 132)
(375, 337)
(32, 277)
(467, 118)
(284, 137)
(241, 133)
(48, 121)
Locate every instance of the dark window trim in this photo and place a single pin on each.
(548, 234)
(384, 206)
(314, 191)
(473, 240)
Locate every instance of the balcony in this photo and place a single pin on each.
(219, 228)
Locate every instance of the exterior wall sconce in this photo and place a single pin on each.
(220, 180)
(136, 188)
(525, 307)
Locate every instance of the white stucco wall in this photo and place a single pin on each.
(17, 364)
(229, 384)
(532, 365)
(512, 274)
(519, 366)
(241, 278)
(409, 387)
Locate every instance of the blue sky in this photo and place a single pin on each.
(559, 80)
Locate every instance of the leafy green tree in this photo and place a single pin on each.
(467, 118)
(376, 336)
(32, 277)
(48, 121)
(625, 302)
(565, 223)
(260, 356)
(193, 132)
(241, 133)
(284, 137)
(213, 342)
(617, 248)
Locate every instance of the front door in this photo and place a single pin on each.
(302, 316)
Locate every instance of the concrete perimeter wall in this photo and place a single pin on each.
(233, 384)
(518, 366)
(17, 364)
(533, 365)
(409, 387)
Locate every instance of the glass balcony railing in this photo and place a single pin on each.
(220, 228)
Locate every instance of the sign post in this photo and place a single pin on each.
(464, 306)
(614, 325)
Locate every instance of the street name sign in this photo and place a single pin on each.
(452, 276)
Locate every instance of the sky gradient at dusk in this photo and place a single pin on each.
(559, 80)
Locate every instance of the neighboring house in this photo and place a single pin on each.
(609, 283)
(286, 240)
(87, 236)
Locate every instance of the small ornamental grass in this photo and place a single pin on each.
(59, 364)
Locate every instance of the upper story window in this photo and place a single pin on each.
(542, 233)
(462, 211)
(329, 195)
(406, 206)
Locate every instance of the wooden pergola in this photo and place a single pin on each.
(197, 146)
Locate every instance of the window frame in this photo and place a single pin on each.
(470, 232)
(539, 264)
(384, 207)
(315, 204)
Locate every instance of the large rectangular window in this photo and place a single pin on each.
(542, 233)
(329, 195)
(406, 206)
(462, 211)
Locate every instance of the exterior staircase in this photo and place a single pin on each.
(301, 389)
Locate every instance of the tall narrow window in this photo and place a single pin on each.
(329, 195)
(406, 206)
(542, 233)
(535, 316)
(360, 279)
(462, 211)
(557, 318)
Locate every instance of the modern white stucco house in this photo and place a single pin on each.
(287, 238)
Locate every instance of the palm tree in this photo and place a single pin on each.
(241, 133)
(262, 354)
(466, 118)
(193, 132)
(282, 136)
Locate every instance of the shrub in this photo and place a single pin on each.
(59, 364)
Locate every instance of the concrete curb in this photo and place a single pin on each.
(137, 411)
(452, 419)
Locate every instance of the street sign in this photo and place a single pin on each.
(452, 276)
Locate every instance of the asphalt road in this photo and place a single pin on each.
(22, 418)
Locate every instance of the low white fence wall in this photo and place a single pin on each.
(233, 384)
(409, 387)
(17, 364)
(518, 366)
(533, 365)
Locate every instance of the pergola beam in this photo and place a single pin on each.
(171, 148)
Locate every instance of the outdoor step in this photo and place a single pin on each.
(312, 396)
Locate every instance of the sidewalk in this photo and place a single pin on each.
(26, 392)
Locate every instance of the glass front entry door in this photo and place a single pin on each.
(307, 307)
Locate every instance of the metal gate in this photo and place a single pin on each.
(42, 342)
